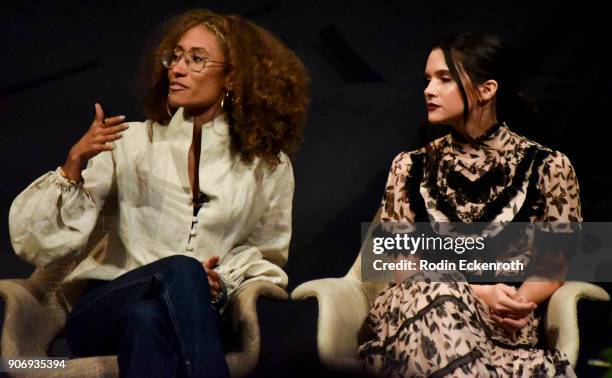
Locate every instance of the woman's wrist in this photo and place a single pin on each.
(482, 291)
(71, 170)
(221, 297)
(538, 291)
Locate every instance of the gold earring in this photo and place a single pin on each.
(168, 109)
(227, 96)
(223, 100)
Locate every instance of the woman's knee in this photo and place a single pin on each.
(182, 264)
(146, 314)
(185, 274)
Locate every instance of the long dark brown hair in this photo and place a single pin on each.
(483, 57)
(479, 57)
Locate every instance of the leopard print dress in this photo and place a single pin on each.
(440, 328)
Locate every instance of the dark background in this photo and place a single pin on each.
(366, 60)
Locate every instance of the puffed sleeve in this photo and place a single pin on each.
(53, 217)
(266, 249)
(560, 189)
(396, 215)
(559, 225)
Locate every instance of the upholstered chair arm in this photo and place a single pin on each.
(561, 321)
(343, 308)
(32, 318)
(241, 312)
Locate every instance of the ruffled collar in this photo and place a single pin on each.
(493, 139)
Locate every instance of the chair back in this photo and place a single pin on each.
(370, 288)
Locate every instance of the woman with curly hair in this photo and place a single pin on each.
(204, 192)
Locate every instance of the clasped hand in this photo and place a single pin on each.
(508, 308)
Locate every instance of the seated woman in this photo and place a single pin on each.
(481, 172)
(203, 190)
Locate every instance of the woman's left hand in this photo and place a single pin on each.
(512, 321)
(214, 280)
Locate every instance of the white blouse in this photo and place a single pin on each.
(247, 220)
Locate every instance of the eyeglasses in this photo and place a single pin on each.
(195, 59)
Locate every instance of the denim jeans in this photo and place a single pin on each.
(157, 318)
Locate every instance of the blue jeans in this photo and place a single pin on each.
(157, 318)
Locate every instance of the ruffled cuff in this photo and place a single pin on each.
(229, 284)
(221, 298)
(67, 185)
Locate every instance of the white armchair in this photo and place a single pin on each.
(344, 304)
(36, 311)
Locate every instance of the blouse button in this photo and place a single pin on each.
(189, 248)
(194, 219)
(193, 232)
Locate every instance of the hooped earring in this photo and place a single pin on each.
(168, 109)
(227, 97)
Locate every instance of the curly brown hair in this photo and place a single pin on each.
(270, 95)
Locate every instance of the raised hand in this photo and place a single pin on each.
(96, 139)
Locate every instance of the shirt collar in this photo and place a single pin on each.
(181, 125)
(492, 139)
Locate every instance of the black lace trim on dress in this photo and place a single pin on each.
(478, 191)
(458, 362)
(416, 202)
(533, 193)
(490, 211)
(487, 135)
(494, 208)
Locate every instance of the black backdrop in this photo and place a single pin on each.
(366, 61)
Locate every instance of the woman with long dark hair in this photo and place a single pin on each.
(481, 172)
(203, 190)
